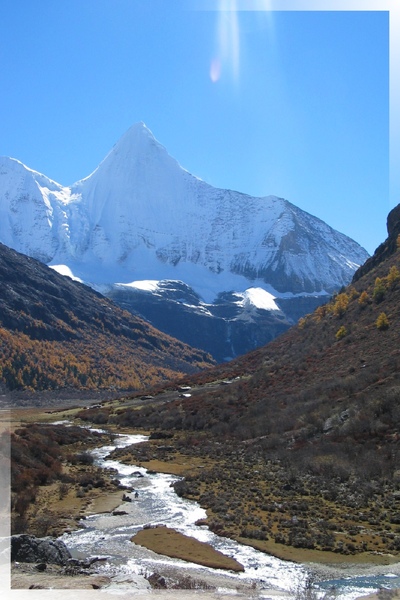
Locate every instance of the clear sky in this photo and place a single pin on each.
(290, 103)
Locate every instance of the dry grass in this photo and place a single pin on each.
(270, 507)
(302, 448)
(169, 542)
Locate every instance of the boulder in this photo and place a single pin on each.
(28, 548)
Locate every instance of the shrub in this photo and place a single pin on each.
(382, 322)
(22, 501)
(62, 490)
(19, 524)
(44, 524)
(363, 299)
(341, 332)
(340, 305)
(379, 290)
(393, 277)
(84, 458)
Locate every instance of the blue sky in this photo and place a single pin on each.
(292, 103)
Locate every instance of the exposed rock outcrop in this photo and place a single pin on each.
(384, 250)
(30, 549)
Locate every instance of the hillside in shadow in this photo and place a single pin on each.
(56, 333)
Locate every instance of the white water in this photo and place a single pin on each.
(110, 535)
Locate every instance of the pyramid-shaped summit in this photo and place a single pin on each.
(137, 150)
(141, 216)
(142, 212)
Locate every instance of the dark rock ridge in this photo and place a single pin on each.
(384, 250)
(225, 329)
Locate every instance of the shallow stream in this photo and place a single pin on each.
(156, 503)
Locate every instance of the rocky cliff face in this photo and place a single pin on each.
(229, 327)
(388, 247)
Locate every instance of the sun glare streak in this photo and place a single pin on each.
(228, 54)
(228, 38)
(215, 70)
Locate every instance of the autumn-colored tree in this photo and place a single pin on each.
(363, 299)
(320, 313)
(382, 322)
(341, 332)
(340, 305)
(393, 277)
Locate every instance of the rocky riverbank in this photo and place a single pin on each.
(213, 585)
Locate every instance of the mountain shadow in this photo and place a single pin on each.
(56, 333)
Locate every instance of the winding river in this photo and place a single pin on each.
(109, 535)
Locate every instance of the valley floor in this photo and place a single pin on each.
(64, 513)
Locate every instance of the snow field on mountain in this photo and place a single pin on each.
(140, 216)
(258, 298)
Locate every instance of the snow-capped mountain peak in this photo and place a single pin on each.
(135, 153)
(32, 210)
(140, 215)
(218, 269)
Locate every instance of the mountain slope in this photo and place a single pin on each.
(141, 216)
(32, 210)
(57, 333)
(306, 429)
(225, 328)
(315, 359)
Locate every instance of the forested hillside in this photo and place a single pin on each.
(57, 333)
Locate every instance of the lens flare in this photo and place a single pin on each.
(215, 70)
(227, 58)
(228, 39)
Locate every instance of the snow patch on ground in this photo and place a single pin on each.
(66, 271)
(146, 285)
(258, 298)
